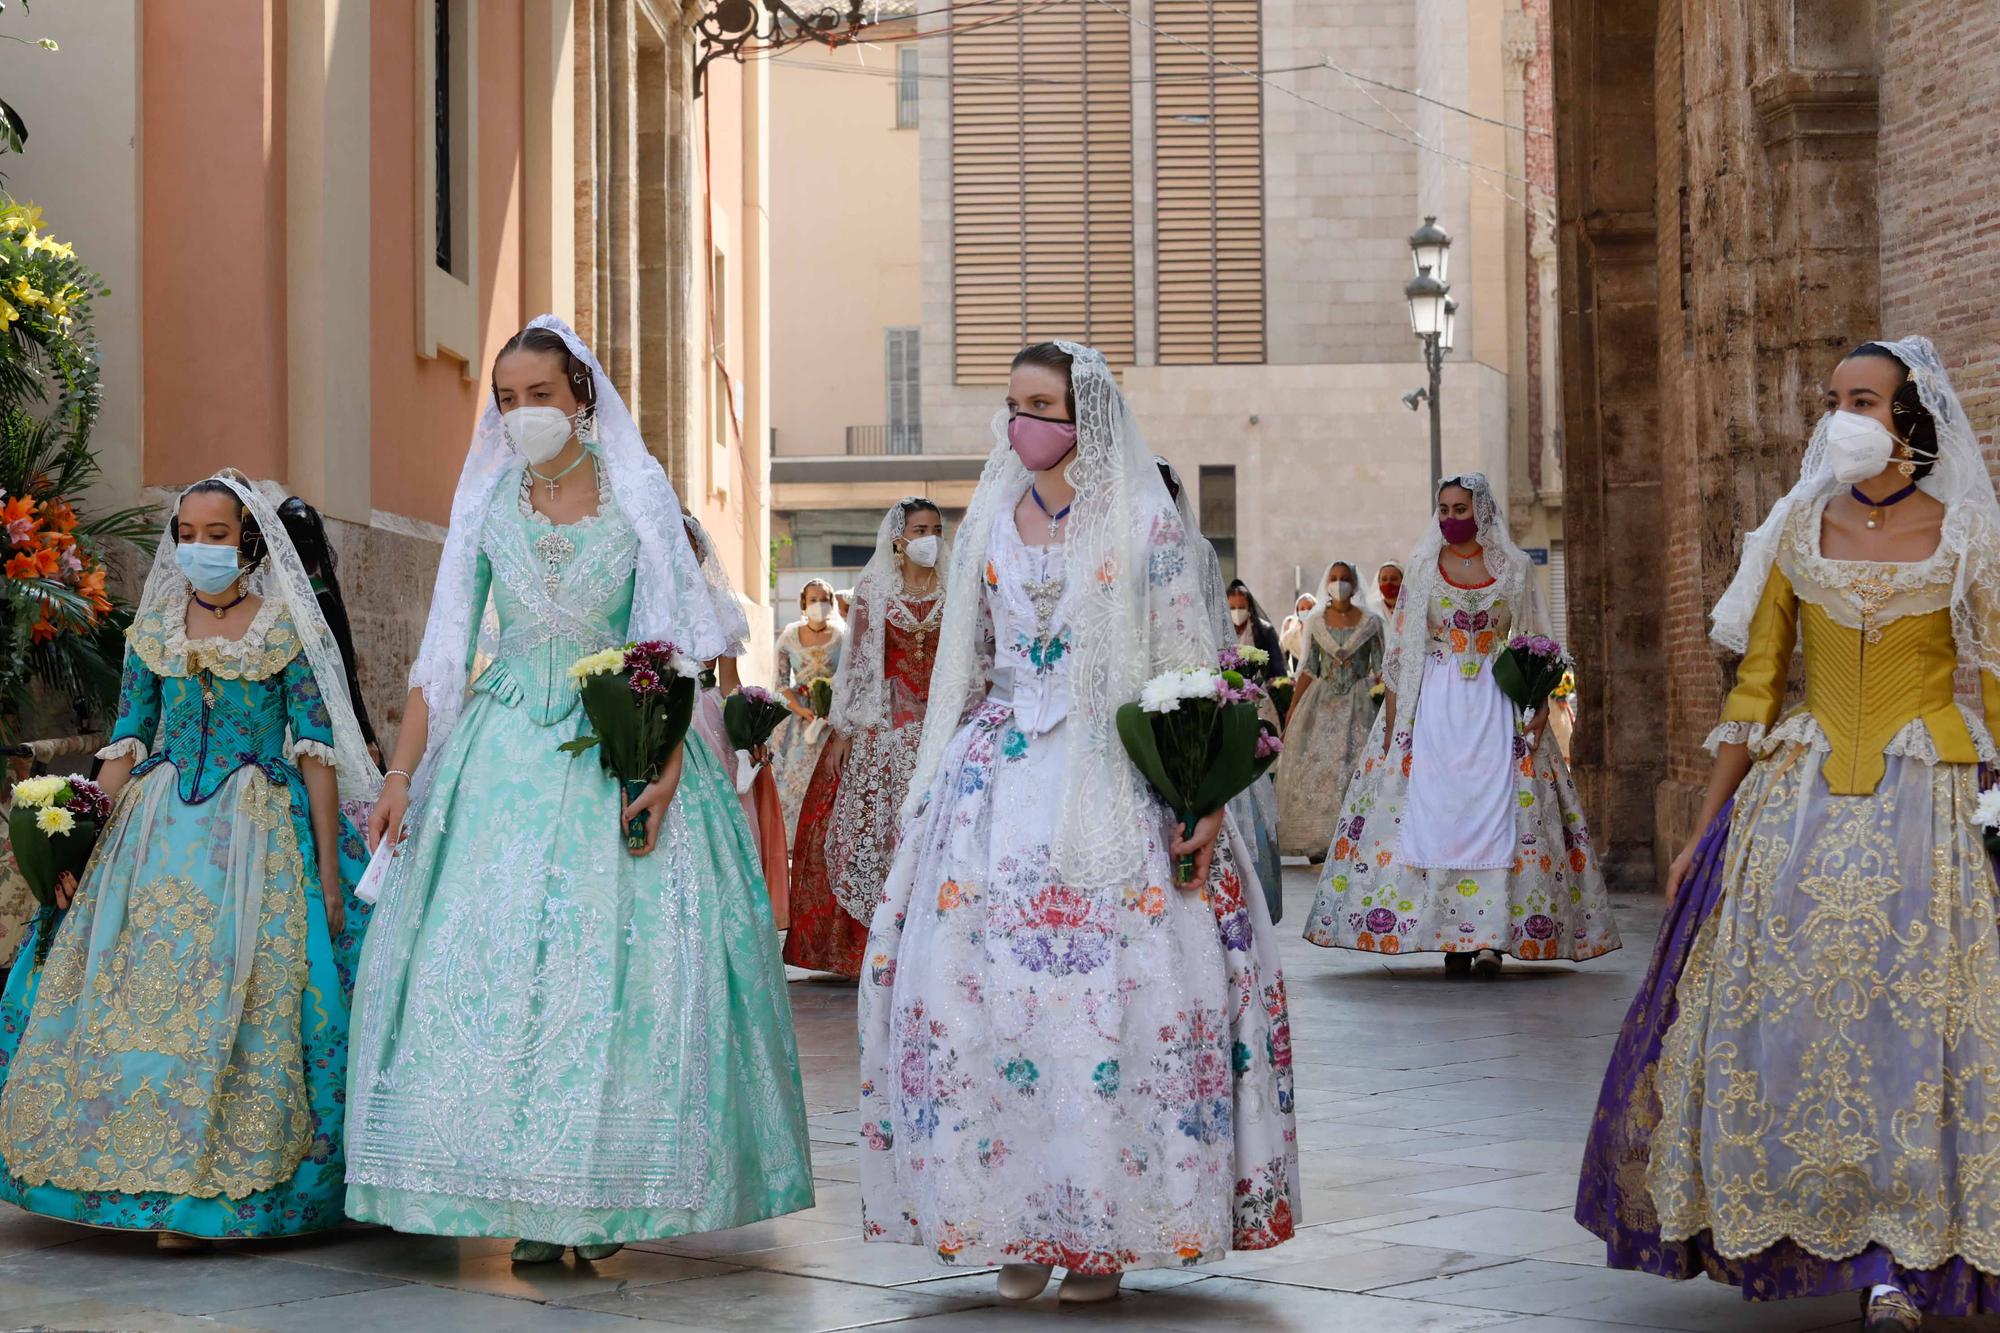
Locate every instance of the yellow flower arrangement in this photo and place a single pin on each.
(37, 792)
(610, 661)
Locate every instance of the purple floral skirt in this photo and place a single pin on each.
(1612, 1199)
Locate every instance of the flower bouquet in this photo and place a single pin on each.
(1565, 688)
(1281, 691)
(1378, 691)
(750, 716)
(53, 828)
(1196, 737)
(640, 698)
(1987, 815)
(1529, 670)
(820, 695)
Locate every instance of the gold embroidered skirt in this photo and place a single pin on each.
(1833, 1075)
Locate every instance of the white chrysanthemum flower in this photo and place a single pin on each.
(686, 666)
(37, 792)
(55, 820)
(1198, 684)
(1161, 694)
(1987, 813)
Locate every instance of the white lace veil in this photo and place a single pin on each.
(281, 577)
(1372, 594)
(1210, 586)
(721, 593)
(670, 599)
(860, 687)
(1959, 481)
(1508, 565)
(1316, 623)
(1135, 610)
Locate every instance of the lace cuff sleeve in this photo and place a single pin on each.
(1735, 733)
(311, 749)
(129, 747)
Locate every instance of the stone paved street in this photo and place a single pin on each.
(1441, 1123)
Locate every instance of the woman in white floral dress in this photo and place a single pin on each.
(1067, 1059)
(1462, 834)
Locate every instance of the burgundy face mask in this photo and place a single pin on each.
(1458, 531)
(1041, 442)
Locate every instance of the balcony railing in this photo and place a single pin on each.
(870, 440)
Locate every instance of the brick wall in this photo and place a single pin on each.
(1940, 189)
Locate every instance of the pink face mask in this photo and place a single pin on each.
(1040, 442)
(1459, 531)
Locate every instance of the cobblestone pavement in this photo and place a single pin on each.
(1440, 1121)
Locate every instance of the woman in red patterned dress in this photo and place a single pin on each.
(847, 827)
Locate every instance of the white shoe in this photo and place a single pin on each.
(1023, 1282)
(1087, 1288)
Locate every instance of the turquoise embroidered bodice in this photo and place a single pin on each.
(559, 593)
(212, 706)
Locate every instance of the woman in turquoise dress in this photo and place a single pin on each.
(556, 1038)
(178, 1062)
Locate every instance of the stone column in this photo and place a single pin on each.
(1603, 73)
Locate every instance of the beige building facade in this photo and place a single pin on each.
(1201, 194)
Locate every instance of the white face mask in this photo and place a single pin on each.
(1239, 616)
(922, 551)
(1343, 591)
(1860, 446)
(816, 614)
(537, 433)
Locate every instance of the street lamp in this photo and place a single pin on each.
(1434, 320)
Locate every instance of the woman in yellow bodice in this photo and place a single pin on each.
(1805, 1097)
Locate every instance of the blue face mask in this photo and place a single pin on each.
(209, 568)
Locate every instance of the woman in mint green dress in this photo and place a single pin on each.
(555, 1038)
(177, 1064)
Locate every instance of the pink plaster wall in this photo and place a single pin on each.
(424, 409)
(212, 256)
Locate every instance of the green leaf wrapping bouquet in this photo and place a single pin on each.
(640, 700)
(53, 828)
(1195, 737)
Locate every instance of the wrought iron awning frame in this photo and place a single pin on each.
(732, 27)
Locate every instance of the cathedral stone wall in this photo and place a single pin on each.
(1744, 193)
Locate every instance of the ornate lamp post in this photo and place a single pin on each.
(1433, 318)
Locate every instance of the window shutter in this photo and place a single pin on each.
(1041, 158)
(1209, 132)
(902, 363)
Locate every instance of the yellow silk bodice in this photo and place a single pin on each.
(1879, 654)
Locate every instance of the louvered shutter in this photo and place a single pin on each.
(1209, 132)
(1041, 157)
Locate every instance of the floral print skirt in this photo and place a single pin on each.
(1097, 1081)
(1547, 901)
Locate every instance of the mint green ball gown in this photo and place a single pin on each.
(554, 1039)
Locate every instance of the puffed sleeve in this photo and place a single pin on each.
(482, 583)
(138, 712)
(1759, 697)
(782, 670)
(306, 712)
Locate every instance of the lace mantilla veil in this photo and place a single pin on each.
(1408, 642)
(1371, 596)
(1135, 610)
(1211, 587)
(1321, 630)
(671, 599)
(281, 577)
(860, 688)
(1960, 482)
(721, 592)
